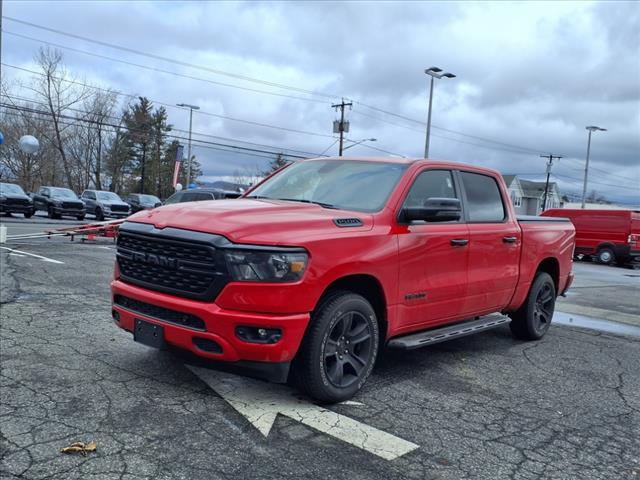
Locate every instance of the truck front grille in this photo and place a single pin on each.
(16, 201)
(119, 208)
(185, 268)
(72, 205)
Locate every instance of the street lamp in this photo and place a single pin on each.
(433, 72)
(191, 109)
(361, 141)
(591, 129)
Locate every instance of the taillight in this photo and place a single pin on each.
(633, 239)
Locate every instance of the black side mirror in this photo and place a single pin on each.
(434, 210)
(158, 204)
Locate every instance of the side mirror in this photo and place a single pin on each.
(158, 204)
(434, 210)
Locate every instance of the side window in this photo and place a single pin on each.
(189, 197)
(484, 202)
(44, 191)
(175, 198)
(431, 184)
(204, 196)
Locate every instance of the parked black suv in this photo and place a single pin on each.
(58, 201)
(105, 204)
(14, 200)
(199, 194)
(140, 201)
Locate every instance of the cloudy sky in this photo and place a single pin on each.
(530, 77)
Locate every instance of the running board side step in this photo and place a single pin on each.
(429, 337)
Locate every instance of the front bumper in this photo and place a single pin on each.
(116, 214)
(68, 212)
(16, 208)
(219, 327)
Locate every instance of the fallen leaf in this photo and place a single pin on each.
(80, 447)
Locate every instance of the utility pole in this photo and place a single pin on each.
(591, 129)
(341, 126)
(434, 73)
(546, 185)
(191, 109)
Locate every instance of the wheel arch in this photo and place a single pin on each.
(605, 245)
(551, 266)
(370, 288)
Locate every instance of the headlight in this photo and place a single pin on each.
(256, 266)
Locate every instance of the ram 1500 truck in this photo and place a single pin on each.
(317, 268)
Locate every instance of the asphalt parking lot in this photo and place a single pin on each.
(485, 406)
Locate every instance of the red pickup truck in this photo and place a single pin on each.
(314, 270)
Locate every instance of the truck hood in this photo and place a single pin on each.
(261, 221)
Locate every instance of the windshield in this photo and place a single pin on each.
(150, 199)
(63, 193)
(344, 184)
(108, 197)
(10, 188)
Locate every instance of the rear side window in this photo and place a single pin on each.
(484, 202)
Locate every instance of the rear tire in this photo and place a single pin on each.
(339, 348)
(99, 215)
(80, 217)
(28, 214)
(606, 256)
(532, 320)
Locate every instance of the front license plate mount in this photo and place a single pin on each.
(148, 334)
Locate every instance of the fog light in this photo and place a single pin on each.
(259, 335)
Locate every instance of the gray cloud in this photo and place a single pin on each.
(529, 74)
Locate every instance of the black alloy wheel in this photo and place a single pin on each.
(532, 320)
(348, 349)
(543, 309)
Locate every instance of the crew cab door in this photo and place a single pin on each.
(89, 198)
(433, 258)
(494, 244)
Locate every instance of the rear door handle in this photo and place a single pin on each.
(459, 242)
(509, 239)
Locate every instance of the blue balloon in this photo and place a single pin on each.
(193, 185)
(1, 138)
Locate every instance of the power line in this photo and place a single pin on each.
(173, 128)
(172, 60)
(120, 127)
(156, 69)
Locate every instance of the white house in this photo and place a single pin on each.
(528, 196)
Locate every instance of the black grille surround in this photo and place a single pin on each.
(119, 208)
(179, 262)
(17, 201)
(160, 313)
(72, 205)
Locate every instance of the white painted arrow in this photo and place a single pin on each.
(261, 402)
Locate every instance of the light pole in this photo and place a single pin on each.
(361, 141)
(591, 129)
(191, 109)
(433, 72)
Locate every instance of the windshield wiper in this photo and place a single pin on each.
(322, 204)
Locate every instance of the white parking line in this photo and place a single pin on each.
(44, 259)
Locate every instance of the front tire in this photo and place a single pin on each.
(532, 320)
(99, 215)
(339, 349)
(28, 214)
(606, 256)
(80, 217)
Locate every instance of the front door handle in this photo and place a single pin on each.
(509, 239)
(459, 242)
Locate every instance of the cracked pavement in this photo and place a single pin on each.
(480, 407)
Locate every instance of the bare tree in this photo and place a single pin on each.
(54, 90)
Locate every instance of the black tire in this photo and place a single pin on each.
(339, 349)
(8, 214)
(51, 213)
(28, 214)
(532, 320)
(99, 214)
(605, 256)
(80, 217)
